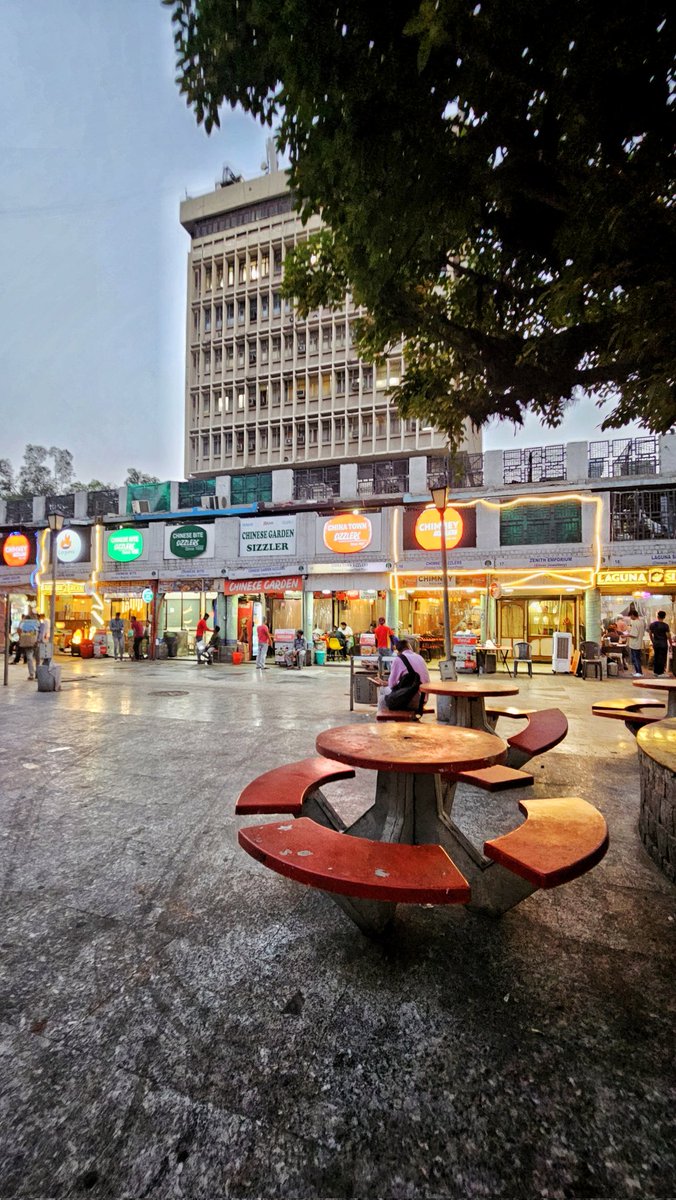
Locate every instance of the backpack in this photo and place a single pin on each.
(405, 690)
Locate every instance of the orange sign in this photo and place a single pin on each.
(16, 550)
(347, 534)
(428, 529)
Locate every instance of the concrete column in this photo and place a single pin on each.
(348, 481)
(221, 614)
(488, 530)
(577, 462)
(223, 489)
(39, 508)
(3, 511)
(122, 500)
(392, 609)
(308, 616)
(592, 615)
(231, 630)
(493, 469)
(282, 486)
(173, 495)
(667, 450)
(417, 477)
(80, 506)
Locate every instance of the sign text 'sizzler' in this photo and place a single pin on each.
(266, 536)
(258, 542)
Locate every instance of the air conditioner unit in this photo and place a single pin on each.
(300, 393)
(354, 387)
(140, 506)
(208, 502)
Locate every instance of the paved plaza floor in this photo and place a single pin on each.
(178, 1021)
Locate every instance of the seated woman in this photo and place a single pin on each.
(614, 645)
(406, 660)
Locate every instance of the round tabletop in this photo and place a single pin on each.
(419, 749)
(470, 687)
(667, 685)
(659, 742)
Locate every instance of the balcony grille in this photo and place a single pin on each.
(642, 516)
(191, 491)
(61, 504)
(317, 483)
(538, 464)
(463, 470)
(19, 511)
(99, 504)
(624, 456)
(382, 478)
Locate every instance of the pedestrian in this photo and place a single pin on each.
(263, 636)
(349, 638)
(296, 658)
(659, 635)
(200, 636)
(409, 670)
(29, 628)
(116, 627)
(635, 639)
(139, 631)
(383, 633)
(43, 649)
(213, 646)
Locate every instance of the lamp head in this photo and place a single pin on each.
(55, 520)
(439, 496)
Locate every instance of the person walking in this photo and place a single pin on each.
(659, 635)
(382, 633)
(263, 635)
(201, 636)
(635, 639)
(139, 631)
(29, 628)
(116, 627)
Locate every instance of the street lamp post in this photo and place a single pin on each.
(440, 499)
(55, 520)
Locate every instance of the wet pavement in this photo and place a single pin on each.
(177, 1021)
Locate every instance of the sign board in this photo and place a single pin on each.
(147, 595)
(276, 583)
(347, 533)
(73, 545)
(17, 549)
(641, 577)
(189, 541)
(124, 545)
(266, 537)
(422, 528)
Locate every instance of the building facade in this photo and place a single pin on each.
(264, 388)
(541, 540)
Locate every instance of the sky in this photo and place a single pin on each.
(97, 149)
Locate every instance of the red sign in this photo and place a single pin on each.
(16, 550)
(282, 583)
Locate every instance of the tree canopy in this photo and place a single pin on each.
(496, 182)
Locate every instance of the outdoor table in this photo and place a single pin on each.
(661, 685)
(415, 786)
(501, 651)
(467, 708)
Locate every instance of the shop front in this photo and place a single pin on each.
(273, 600)
(535, 617)
(421, 608)
(18, 590)
(346, 581)
(651, 589)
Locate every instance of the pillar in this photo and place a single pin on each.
(221, 613)
(592, 615)
(391, 609)
(308, 616)
(231, 631)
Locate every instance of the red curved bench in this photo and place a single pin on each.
(559, 840)
(284, 789)
(545, 729)
(352, 866)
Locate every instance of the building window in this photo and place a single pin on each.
(275, 438)
(326, 433)
(218, 358)
(367, 428)
(208, 276)
(196, 325)
(228, 443)
(205, 446)
(353, 429)
(276, 304)
(381, 428)
(263, 439)
(229, 314)
(316, 483)
(326, 385)
(642, 515)
(251, 441)
(207, 320)
(300, 435)
(301, 343)
(340, 383)
(218, 404)
(265, 306)
(367, 378)
(241, 312)
(207, 363)
(219, 316)
(195, 409)
(239, 441)
(277, 261)
(228, 402)
(313, 387)
(340, 335)
(253, 354)
(264, 347)
(288, 345)
(252, 395)
(217, 445)
(288, 435)
(312, 433)
(340, 429)
(265, 266)
(248, 489)
(409, 426)
(253, 270)
(288, 391)
(541, 524)
(240, 354)
(231, 273)
(240, 401)
(196, 282)
(206, 404)
(219, 275)
(381, 377)
(276, 391)
(354, 379)
(263, 397)
(242, 270)
(313, 341)
(276, 348)
(395, 424)
(230, 355)
(253, 309)
(327, 337)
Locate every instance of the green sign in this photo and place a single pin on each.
(147, 595)
(124, 545)
(188, 542)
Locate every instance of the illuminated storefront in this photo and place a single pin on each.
(651, 589)
(276, 600)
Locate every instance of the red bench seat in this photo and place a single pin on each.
(495, 779)
(545, 729)
(284, 789)
(352, 866)
(559, 840)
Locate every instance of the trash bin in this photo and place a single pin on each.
(320, 657)
(161, 649)
(171, 640)
(86, 648)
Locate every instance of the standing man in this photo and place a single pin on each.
(382, 633)
(139, 631)
(117, 629)
(263, 635)
(659, 636)
(43, 638)
(201, 636)
(635, 639)
(29, 628)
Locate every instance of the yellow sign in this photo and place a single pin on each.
(638, 577)
(67, 587)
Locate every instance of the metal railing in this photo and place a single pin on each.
(62, 504)
(318, 483)
(642, 516)
(537, 464)
(99, 504)
(20, 511)
(463, 470)
(624, 456)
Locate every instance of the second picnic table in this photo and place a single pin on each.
(467, 700)
(661, 685)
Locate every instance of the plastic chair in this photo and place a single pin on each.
(335, 648)
(522, 654)
(591, 657)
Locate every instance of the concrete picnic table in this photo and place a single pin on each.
(465, 698)
(661, 685)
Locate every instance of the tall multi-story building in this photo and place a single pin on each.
(264, 388)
